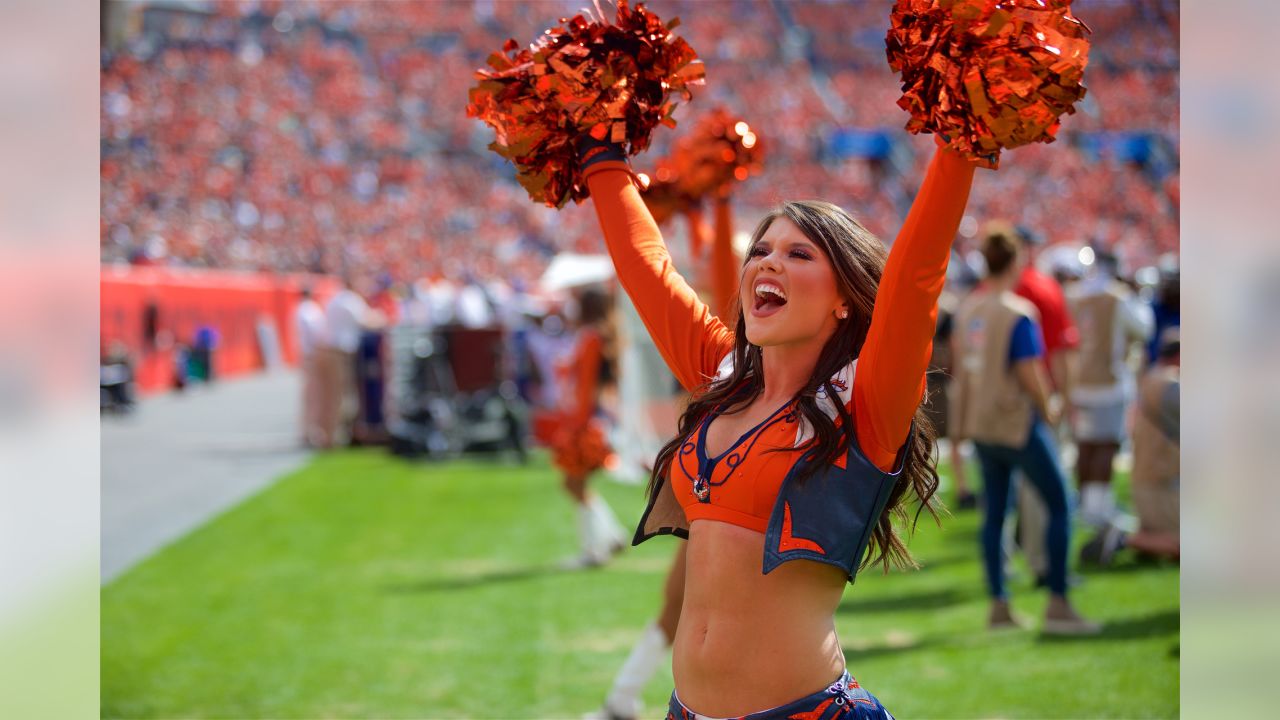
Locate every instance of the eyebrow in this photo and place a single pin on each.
(793, 242)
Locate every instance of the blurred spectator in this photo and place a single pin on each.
(202, 347)
(181, 366)
(1003, 402)
(346, 316)
(1112, 321)
(312, 331)
(1156, 452)
(1165, 309)
(372, 359)
(1060, 338)
(941, 370)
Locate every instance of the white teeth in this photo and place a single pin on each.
(763, 289)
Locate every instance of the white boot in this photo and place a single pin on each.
(1096, 504)
(649, 652)
(588, 540)
(609, 533)
(1107, 505)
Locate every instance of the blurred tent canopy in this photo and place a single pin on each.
(569, 270)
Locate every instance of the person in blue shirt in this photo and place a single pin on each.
(1001, 400)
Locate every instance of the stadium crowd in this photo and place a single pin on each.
(293, 136)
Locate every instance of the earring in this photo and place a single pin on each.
(844, 314)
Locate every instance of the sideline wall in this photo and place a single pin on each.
(152, 309)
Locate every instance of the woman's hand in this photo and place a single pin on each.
(592, 151)
(1053, 414)
(1035, 382)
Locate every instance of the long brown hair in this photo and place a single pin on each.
(858, 258)
(594, 305)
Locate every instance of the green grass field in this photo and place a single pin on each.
(365, 586)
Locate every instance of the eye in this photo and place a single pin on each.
(802, 254)
(757, 251)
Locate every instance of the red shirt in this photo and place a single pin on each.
(1055, 320)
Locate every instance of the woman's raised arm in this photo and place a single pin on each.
(725, 266)
(890, 379)
(691, 339)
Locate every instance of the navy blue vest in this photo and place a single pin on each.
(829, 517)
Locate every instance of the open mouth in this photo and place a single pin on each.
(769, 298)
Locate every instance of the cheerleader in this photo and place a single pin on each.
(805, 433)
(803, 436)
(576, 433)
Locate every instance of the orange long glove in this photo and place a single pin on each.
(690, 338)
(890, 378)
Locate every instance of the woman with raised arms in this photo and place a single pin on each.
(804, 435)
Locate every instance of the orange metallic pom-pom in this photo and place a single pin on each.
(988, 74)
(616, 81)
(720, 150)
(662, 193)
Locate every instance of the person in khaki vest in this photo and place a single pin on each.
(1112, 320)
(1001, 401)
(1156, 454)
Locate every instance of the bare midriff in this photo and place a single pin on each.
(747, 641)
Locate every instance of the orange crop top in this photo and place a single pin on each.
(743, 484)
(744, 479)
(579, 374)
(739, 486)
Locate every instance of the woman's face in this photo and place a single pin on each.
(788, 290)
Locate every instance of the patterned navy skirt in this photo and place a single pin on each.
(844, 699)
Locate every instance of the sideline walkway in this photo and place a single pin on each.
(181, 458)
